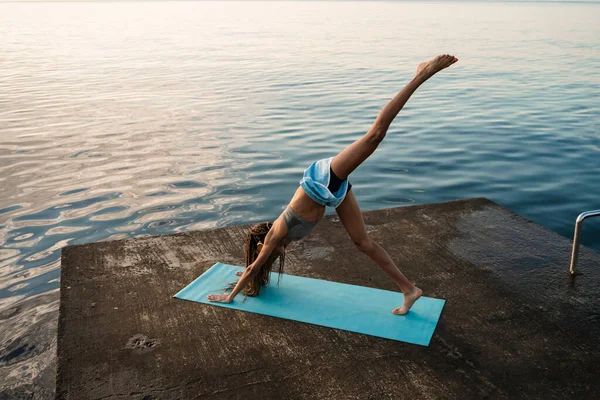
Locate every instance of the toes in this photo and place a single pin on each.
(451, 60)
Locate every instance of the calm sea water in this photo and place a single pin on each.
(127, 119)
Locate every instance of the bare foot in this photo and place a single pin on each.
(409, 300)
(429, 68)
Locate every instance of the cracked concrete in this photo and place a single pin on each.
(514, 325)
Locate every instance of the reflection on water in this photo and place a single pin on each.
(122, 120)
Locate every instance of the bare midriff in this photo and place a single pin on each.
(306, 207)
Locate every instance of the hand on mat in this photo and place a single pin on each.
(219, 298)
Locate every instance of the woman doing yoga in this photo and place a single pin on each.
(325, 183)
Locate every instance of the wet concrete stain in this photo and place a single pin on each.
(142, 344)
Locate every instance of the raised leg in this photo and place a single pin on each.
(352, 219)
(352, 156)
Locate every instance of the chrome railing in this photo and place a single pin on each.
(578, 225)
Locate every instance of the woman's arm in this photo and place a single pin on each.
(252, 270)
(272, 240)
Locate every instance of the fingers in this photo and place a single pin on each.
(213, 297)
(239, 273)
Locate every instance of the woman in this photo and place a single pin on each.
(325, 183)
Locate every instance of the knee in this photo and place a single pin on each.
(377, 136)
(365, 245)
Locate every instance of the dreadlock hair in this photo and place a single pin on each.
(257, 235)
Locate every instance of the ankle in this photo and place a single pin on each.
(411, 289)
(419, 79)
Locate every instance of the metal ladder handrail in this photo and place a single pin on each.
(578, 225)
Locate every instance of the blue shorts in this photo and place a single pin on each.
(323, 186)
(335, 182)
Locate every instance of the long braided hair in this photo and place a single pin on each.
(257, 235)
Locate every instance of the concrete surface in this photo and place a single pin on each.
(514, 325)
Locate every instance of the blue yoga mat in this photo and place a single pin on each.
(332, 304)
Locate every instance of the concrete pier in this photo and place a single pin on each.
(514, 325)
